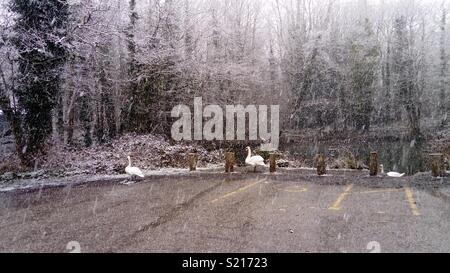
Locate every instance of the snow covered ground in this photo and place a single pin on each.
(38, 183)
(148, 152)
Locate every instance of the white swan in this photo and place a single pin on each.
(391, 174)
(254, 161)
(133, 171)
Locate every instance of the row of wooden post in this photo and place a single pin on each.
(437, 163)
(230, 162)
(321, 164)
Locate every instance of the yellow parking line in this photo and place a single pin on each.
(236, 191)
(294, 189)
(341, 198)
(377, 191)
(412, 203)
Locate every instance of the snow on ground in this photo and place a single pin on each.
(37, 183)
(148, 152)
(154, 155)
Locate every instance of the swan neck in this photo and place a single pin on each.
(249, 153)
(129, 162)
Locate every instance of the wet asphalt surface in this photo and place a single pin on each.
(289, 212)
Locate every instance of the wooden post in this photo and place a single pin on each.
(193, 159)
(373, 164)
(273, 162)
(321, 165)
(437, 165)
(229, 162)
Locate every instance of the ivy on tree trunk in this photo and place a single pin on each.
(40, 41)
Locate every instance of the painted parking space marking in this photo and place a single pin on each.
(412, 203)
(337, 205)
(378, 191)
(237, 191)
(293, 189)
(348, 191)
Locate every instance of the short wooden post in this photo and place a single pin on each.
(437, 165)
(373, 164)
(321, 165)
(273, 162)
(193, 159)
(229, 162)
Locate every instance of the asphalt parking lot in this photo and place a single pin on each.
(298, 212)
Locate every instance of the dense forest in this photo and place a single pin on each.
(82, 73)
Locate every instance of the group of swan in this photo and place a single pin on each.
(253, 161)
(256, 161)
